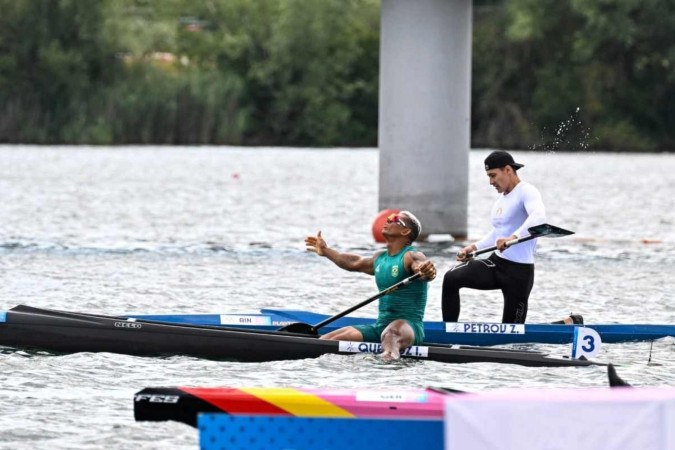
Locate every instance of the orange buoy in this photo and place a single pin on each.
(650, 241)
(379, 221)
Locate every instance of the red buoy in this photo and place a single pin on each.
(379, 221)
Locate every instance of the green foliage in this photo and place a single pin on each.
(309, 79)
(290, 72)
(54, 58)
(305, 72)
(603, 65)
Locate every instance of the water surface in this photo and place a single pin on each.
(204, 229)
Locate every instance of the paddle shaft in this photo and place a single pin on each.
(508, 244)
(380, 294)
(536, 231)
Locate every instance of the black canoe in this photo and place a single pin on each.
(26, 327)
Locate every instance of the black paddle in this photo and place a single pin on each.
(304, 328)
(543, 230)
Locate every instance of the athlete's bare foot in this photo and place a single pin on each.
(390, 356)
(574, 319)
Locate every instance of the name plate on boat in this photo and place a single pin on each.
(391, 397)
(227, 319)
(372, 347)
(485, 328)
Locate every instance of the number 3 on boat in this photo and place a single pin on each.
(586, 343)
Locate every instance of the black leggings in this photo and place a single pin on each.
(514, 279)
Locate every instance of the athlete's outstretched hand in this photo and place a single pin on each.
(316, 244)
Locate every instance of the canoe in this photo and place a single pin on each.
(184, 404)
(26, 327)
(516, 418)
(218, 431)
(464, 333)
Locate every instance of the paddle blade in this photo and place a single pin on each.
(445, 390)
(548, 230)
(614, 379)
(299, 328)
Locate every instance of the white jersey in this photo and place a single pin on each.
(513, 214)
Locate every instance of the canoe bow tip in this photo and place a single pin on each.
(614, 379)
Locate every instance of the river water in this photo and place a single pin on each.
(205, 229)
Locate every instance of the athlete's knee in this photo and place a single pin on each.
(398, 331)
(393, 329)
(451, 281)
(450, 288)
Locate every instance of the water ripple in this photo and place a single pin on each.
(159, 230)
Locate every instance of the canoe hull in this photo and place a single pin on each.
(68, 332)
(436, 332)
(184, 404)
(64, 332)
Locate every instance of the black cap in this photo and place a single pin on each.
(499, 159)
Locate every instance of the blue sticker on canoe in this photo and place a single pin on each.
(3, 316)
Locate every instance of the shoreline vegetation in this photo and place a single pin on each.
(559, 75)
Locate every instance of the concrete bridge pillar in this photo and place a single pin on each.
(425, 111)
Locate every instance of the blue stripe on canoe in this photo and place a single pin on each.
(218, 430)
(435, 331)
(3, 316)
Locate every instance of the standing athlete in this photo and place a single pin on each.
(401, 313)
(510, 268)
